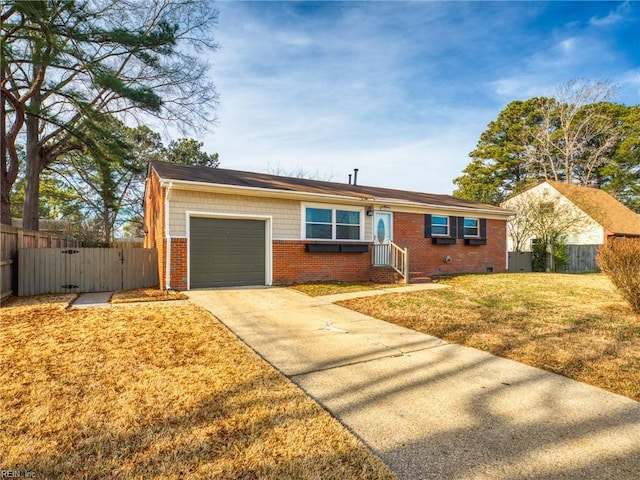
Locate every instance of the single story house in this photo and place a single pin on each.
(215, 227)
(595, 214)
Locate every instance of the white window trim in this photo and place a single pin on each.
(477, 227)
(333, 207)
(448, 226)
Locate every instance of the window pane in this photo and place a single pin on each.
(439, 225)
(471, 227)
(344, 232)
(320, 215)
(348, 217)
(471, 222)
(315, 230)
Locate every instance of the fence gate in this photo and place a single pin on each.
(80, 270)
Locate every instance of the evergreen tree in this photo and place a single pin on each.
(68, 65)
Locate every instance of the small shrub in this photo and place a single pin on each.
(620, 261)
(541, 260)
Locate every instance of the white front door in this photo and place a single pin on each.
(382, 235)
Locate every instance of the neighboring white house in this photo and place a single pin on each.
(595, 215)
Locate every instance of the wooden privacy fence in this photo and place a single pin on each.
(12, 239)
(80, 270)
(582, 258)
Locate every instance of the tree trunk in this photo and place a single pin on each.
(5, 201)
(5, 198)
(32, 175)
(551, 264)
(106, 226)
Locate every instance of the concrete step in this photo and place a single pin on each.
(419, 279)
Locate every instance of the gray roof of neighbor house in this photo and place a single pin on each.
(221, 176)
(601, 207)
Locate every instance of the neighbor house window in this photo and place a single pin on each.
(471, 227)
(332, 224)
(439, 226)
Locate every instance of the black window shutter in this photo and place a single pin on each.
(427, 225)
(460, 227)
(483, 228)
(453, 223)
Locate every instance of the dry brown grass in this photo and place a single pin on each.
(146, 295)
(318, 289)
(574, 325)
(156, 391)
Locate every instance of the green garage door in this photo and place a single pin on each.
(226, 252)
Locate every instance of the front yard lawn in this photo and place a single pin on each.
(574, 325)
(155, 391)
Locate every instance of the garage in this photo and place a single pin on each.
(226, 252)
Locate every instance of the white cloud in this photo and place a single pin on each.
(614, 17)
(400, 90)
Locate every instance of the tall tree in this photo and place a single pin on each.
(498, 167)
(110, 189)
(188, 151)
(563, 139)
(575, 135)
(67, 64)
(621, 176)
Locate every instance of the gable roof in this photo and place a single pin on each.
(601, 207)
(251, 180)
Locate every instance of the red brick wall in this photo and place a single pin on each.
(178, 264)
(428, 259)
(292, 264)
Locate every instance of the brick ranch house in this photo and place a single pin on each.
(215, 227)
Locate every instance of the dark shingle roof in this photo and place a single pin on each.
(221, 176)
(601, 207)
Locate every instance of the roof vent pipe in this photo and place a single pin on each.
(349, 179)
(355, 176)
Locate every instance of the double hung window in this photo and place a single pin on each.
(332, 224)
(439, 226)
(471, 227)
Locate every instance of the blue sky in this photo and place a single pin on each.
(400, 90)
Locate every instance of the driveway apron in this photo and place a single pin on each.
(430, 409)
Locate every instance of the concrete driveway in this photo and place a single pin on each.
(431, 409)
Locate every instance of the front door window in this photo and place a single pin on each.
(382, 227)
(382, 235)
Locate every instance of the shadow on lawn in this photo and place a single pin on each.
(222, 437)
(445, 411)
(511, 422)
